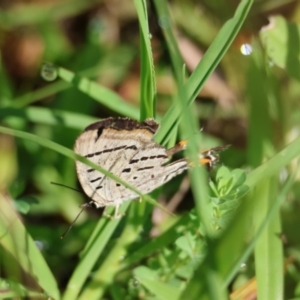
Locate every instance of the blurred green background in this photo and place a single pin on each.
(250, 101)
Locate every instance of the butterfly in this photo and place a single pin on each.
(126, 148)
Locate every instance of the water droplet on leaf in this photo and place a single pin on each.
(49, 72)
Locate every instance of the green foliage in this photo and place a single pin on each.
(228, 189)
(239, 210)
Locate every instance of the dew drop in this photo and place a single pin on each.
(243, 266)
(48, 72)
(271, 63)
(41, 245)
(246, 49)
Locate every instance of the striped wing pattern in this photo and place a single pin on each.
(125, 148)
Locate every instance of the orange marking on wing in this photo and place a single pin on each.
(183, 143)
(204, 161)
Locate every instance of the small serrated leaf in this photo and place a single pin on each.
(223, 173)
(239, 177)
(187, 244)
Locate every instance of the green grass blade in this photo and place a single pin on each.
(161, 290)
(165, 21)
(104, 275)
(42, 115)
(274, 164)
(17, 242)
(274, 207)
(217, 49)
(205, 284)
(190, 126)
(198, 181)
(148, 85)
(239, 227)
(205, 68)
(39, 94)
(268, 249)
(168, 128)
(109, 61)
(156, 243)
(94, 248)
(100, 94)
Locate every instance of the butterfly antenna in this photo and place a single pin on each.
(68, 187)
(83, 208)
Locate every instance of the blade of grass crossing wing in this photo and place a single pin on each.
(69, 153)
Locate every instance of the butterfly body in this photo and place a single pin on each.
(125, 148)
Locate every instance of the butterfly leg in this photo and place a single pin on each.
(116, 214)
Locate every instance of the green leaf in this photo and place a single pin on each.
(223, 173)
(149, 279)
(281, 41)
(187, 244)
(23, 252)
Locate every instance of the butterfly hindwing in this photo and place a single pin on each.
(120, 149)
